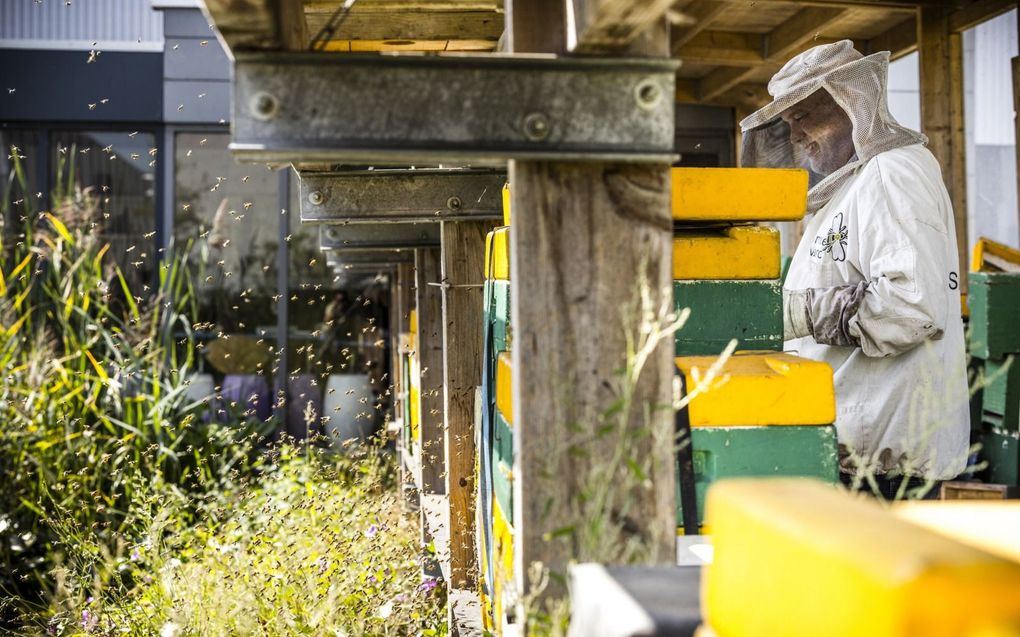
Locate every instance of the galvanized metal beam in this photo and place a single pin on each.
(374, 196)
(451, 109)
(380, 258)
(363, 236)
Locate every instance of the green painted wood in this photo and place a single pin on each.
(503, 440)
(502, 486)
(994, 302)
(1001, 450)
(1001, 394)
(750, 311)
(743, 452)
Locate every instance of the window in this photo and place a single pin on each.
(991, 138)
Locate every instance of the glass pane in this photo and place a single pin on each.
(119, 170)
(990, 132)
(339, 350)
(227, 214)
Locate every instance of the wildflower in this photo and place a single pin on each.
(385, 610)
(136, 554)
(372, 530)
(169, 629)
(428, 585)
(89, 621)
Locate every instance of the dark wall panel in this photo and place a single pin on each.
(60, 86)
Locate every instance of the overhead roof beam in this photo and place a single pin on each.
(264, 25)
(801, 31)
(977, 12)
(702, 13)
(722, 48)
(410, 21)
(899, 39)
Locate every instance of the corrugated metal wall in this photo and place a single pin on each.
(63, 24)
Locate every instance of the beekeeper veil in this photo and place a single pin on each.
(801, 128)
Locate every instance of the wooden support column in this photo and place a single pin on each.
(584, 237)
(1016, 126)
(941, 62)
(430, 361)
(463, 268)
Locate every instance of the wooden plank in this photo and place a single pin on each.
(259, 24)
(536, 25)
(941, 69)
(899, 39)
(977, 12)
(722, 48)
(583, 237)
(429, 339)
(703, 12)
(1016, 128)
(607, 25)
(463, 268)
(366, 22)
(804, 30)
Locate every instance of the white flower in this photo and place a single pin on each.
(385, 610)
(169, 629)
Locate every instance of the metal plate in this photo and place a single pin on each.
(363, 236)
(362, 258)
(401, 195)
(459, 109)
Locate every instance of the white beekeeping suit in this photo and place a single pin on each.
(873, 288)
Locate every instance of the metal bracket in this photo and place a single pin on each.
(401, 195)
(365, 258)
(364, 236)
(457, 109)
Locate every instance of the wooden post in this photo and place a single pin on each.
(430, 361)
(463, 267)
(1016, 126)
(584, 238)
(941, 62)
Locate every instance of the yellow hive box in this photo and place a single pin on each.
(760, 388)
(739, 194)
(503, 386)
(798, 558)
(991, 526)
(497, 254)
(506, 204)
(737, 252)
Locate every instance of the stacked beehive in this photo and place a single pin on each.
(495, 506)
(767, 413)
(994, 343)
(409, 360)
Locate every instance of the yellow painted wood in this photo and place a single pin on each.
(414, 396)
(506, 204)
(992, 526)
(736, 252)
(412, 319)
(760, 388)
(503, 555)
(992, 256)
(504, 374)
(497, 254)
(796, 557)
(739, 194)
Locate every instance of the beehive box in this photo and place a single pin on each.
(729, 252)
(1001, 394)
(746, 452)
(750, 311)
(739, 194)
(994, 300)
(1000, 448)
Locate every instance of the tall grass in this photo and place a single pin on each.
(94, 395)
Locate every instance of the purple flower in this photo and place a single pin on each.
(428, 585)
(89, 621)
(372, 530)
(136, 555)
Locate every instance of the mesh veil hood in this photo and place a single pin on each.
(857, 83)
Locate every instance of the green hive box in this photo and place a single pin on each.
(502, 462)
(1001, 450)
(994, 302)
(1001, 394)
(497, 308)
(750, 311)
(744, 452)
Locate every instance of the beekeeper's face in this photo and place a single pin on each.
(822, 131)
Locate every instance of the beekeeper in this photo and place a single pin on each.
(873, 288)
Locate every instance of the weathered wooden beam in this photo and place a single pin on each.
(941, 70)
(804, 29)
(1016, 126)
(406, 22)
(607, 25)
(977, 12)
(722, 48)
(899, 39)
(463, 272)
(703, 13)
(429, 342)
(270, 25)
(583, 240)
